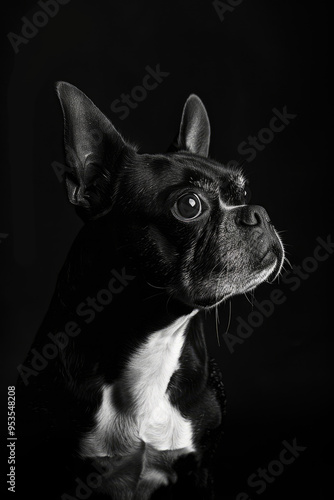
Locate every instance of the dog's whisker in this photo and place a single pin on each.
(229, 316)
(169, 299)
(287, 244)
(287, 260)
(217, 323)
(152, 296)
(156, 286)
(126, 245)
(213, 269)
(248, 299)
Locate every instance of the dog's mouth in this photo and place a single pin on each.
(277, 250)
(269, 254)
(269, 273)
(269, 266)
(267, 269)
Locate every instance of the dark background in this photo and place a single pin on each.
(263, 55)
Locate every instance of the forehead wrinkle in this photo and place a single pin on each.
(239, 179)
(212, 176)
(234, 179)
(206, 184)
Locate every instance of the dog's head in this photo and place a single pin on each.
(184, 216)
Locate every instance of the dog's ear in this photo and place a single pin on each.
(194, 134)
(92, 148)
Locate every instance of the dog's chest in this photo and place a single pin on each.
(149, 416)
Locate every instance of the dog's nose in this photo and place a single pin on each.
(252, 215)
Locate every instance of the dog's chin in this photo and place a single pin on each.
(269, 270)
(267, 274)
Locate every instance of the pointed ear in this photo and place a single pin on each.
(194, 134)
(92, 148)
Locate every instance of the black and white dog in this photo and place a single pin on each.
(118, 396)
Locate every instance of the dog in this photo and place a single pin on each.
(127, 403)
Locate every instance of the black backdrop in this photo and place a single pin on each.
(262, 56)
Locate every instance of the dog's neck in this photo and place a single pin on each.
(135, 311)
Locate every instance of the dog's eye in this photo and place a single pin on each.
(187, 207)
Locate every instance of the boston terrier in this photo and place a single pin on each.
(118, 397)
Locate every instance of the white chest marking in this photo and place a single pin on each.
(148, 374)
(151, 417)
